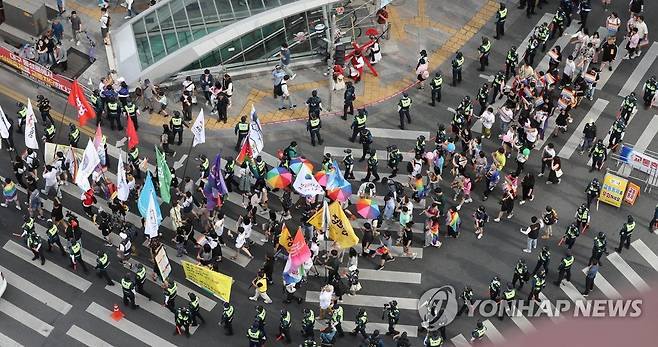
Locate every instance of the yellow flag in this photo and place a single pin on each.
(340, 229)
(215, 282)
(285, 239)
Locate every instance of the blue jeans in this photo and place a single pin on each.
(532, 243)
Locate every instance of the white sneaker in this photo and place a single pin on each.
(479, 236)
(18, 207)
(252, 298)
(3, 204)
(509, 216)
(77, 43)
(413, 256)
(526, 250)
(497, 220)
(540, 174)
(522, 202)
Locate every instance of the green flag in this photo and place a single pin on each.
(164, 176)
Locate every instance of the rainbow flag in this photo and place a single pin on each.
(9, 191)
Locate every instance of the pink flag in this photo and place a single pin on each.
(299, 252)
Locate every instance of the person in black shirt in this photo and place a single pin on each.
(366, 241)
(533, 233)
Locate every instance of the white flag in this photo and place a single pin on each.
(122, 184)
(255, 134)
(5, 126)
(151, 224)
(31, 127)
(87, 165)
(305, 184)
(199, 129)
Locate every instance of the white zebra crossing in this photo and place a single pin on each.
(642, 143)
(646, 253)
(618, 262)
(604, 75)
(574, 140)
(85, 337)
(128, 327)
(521, 321)
(460, 341)
(640, 70)
(35, 291)
(6, 341)
(493, 333)
(25, 318)
(368, 300)
(604, 286)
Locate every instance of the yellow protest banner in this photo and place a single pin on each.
(340, 229)
(285, 239)
(215, 282)
(612, 190)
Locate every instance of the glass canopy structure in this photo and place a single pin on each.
(178, 35)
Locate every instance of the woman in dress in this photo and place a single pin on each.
(422, 69)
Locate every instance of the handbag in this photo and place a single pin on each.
(558, 173)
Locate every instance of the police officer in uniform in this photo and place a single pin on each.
(501, 16)
(229, 173)
(359, 123)
(625, 234)
(96, 103)
(365, 139)
(193, 307)
(650, 87)
(74, 135)
(467, 300)
(520, 274)
(393, 316)
(309, 342)
(599, 155)
(242, 130)
(403, 109)
(22, 114)
(419, 148)
(509, 295)
(44, 108)
(131, 110)
(538, 283)
(53, 237)
(284, 326)
(170, 295)
(227, 318)
(260, 317)
(348, 100)
(50, 132)
(564, 269)
(497, 86)
(372, 167)
(204, 166)
(494, 289)
(313, 126)
(360, 323)
(628, 107)
(394, 159)
(261, 171)
(75, 254)
(348, 161)
(34, 243)
(102, 262)
(457, 64)
(484, 50)
(600, 247)
(133, 156)
(570, 235)
(433, 339)
(176, 124)
(128, 287)
(307, 324)
(182, 321)
(543, 259)
(511, 60)
(593, 190)
(337, 319)
(483, 98)
(436, 84)
(140, 279)
(113, 113)
(314, 104)
(478, 333)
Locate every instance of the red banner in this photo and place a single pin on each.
(34, 71)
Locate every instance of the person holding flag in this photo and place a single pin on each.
(6, 131)
(78, 100)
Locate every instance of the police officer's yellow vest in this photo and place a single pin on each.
(52, 232)
(50, 130)
(314, 122)
(22, 113)
(112, 106)
(485, 47)
(134, 154)
(253, 334)
(75, 248)
(459, 62)
(176, 122)
(103, 261)
(75, 134)
(141, 273)
(509, 294)
(361, 119)
(567, 262)
(130, 109)
(171, 290)
(435, 341)
(405, 102)
(243, 127)
(205, 165)
(437, 82)
(502, 14)
(126, 284)
(194, 304)
(261, 315)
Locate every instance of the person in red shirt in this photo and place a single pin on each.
(88, 200)
(382, 19)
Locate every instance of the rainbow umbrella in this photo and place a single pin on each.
(322, 177)
(367, 208)
(296, 164)
(278, 177)
(341, 194)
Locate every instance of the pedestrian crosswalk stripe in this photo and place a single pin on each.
(359, 175)
(6, 341)
(390, 276)
(640, 70)
(616, 260)
(338, 152)
(607, 135)
(555, 317)
(460, 341)
(368, 300)
(150, 306)
(521, 321)
(128, 327)
(572, 292)
(604, 75)
(379, 199)
(49, 267)
(85, 337)
(642, 143)
(493, 334)
(35, 291)
(398, 134)
(348, 326)
(574, 140)
(393, 226)
(546, 18)
(269, 159)
(397, 251)
(646, 253)
(604, 286)
(25, 318)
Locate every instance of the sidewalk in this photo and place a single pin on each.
(415, 25)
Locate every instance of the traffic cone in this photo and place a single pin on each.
(116, 313)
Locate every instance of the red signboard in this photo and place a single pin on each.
(34, 71)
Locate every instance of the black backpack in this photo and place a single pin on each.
(278, 90)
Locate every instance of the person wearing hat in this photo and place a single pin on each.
(359, 123)
(372, 167)
(625, 234)
(365, 139)
(564, 269)
(128, 287)
(314, 104)
(44, 108)
(227, 318)
(484, 50)
(74, 135)
(436, 85)
(176, 124)
(348, 161)
(284, 326)
(277, 78)
(182, 320)
(113, 113)
(337, 319)
(403, 109)
(242, 130)
(457, 64)
(348, 100)
(314, 125)
(193, 307)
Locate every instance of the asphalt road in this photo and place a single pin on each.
(464, 261)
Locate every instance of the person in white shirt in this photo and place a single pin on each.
(51, 181)
(285, 94)
(547, 158)
(176, 217)
(569, 70)
(366, 190)
(642, 32)
(105, 25)
(505, 114)
(129, 8)
(488, 119)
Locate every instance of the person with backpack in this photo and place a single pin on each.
(549, 217)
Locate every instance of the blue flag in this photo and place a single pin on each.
(144, 195)
(336, 178)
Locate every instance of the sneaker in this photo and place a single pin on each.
(252, 298)
(18, 207)
(479, 236)
(522, 202)
(3, 204)
(540, 174)
(526, 250)
(509, 216)
(497, 220)
(532, 198)
(380, 267)
(413, 256)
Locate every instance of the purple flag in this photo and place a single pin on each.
(215, 187)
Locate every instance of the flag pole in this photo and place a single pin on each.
(188, 159)
(66, 107)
